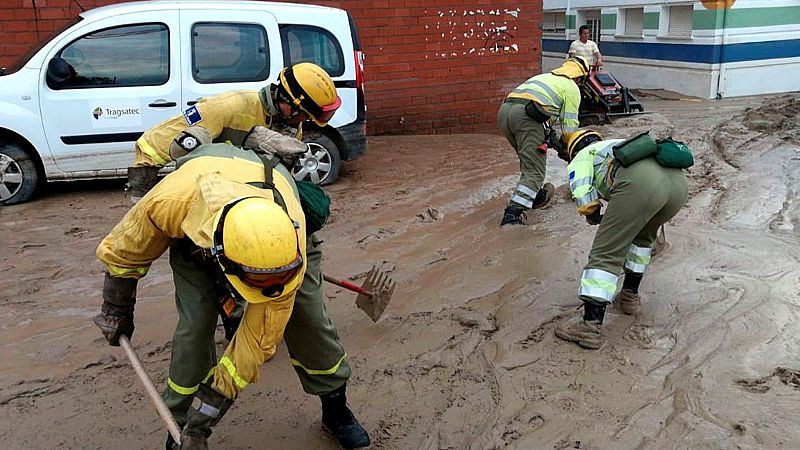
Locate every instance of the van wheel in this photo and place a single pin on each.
(321, 163)
(18, 175)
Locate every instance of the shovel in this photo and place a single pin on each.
(163, 411)
(373, 295)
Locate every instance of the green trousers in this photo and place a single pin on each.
(311, 338)
(645, 195)
(525, 135)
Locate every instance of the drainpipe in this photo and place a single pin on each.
(566, 23)
(721, 80)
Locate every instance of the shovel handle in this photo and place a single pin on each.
(163, 411)
(345, 284)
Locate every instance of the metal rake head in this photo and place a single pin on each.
(379, 287)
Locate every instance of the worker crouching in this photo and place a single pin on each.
(641, 196)
(234, 224)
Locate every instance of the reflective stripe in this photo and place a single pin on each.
(117, 271)
(543, 100)
(640, 251)
(597, 274)
(638, 258)
(603, 153)
(569, 115)
(598, 284)
(526, 190)
(575, 184)
(228, 364)
(518, 199)
(595, 292)
(180, 389)
(330, 371)
(208, 410)
(148, 150)
(555, 99)
(586, 199)
(635, 268)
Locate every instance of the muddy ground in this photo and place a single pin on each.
(465, 356)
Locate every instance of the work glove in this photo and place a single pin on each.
(594, 218)
(116, 314)
(269, 142)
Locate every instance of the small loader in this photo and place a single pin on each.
(603, 97)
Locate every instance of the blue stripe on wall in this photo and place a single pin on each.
(708, 54)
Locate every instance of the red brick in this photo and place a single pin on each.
(406, 74)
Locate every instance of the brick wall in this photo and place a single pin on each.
(431, 66)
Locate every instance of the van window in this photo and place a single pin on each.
(131, 55)
(229, 52)
(305, 43)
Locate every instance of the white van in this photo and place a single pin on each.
(136, 64)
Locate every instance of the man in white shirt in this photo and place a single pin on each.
(585, 48)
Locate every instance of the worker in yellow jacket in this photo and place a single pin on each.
(234, 225)
(521, 119)
(641, 197)
(304, 92)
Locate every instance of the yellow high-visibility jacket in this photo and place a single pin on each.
(590, 175)
(559, 97)
(228, 117)
(184, 204)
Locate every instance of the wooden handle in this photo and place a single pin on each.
(163, 411)
(345, 284)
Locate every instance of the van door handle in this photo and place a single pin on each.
(191, 103)
(162, 104)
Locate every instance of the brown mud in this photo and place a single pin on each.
(465, 355)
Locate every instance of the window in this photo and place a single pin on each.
(590, 17)
(229, 52)
(133, 55)
(554, 22)
(632, 21)
(304, 43)
(680, 21)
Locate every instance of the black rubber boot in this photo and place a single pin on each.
(338, 420)
(513, 215)
(206, 411)
(543, 196)
(594, 312)
(632, 281)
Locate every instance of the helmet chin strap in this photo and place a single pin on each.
(272, 291)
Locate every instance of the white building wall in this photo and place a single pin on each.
(706, 79)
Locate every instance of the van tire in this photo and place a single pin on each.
(321, 163)
(18, 175)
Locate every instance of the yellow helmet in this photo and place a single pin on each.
(255, 243)
(579, 140)
(309, 88)
(574, 67)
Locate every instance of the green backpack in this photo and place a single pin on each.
(675, 154)
(316, 205)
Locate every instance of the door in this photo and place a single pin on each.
(228, 50)
(120, 78)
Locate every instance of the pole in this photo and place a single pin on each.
(163, 411)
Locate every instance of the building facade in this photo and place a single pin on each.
(430, 66)
(708, 48)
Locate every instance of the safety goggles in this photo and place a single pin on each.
(326, 112)
(264, 278)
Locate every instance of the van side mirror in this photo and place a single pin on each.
(58, 72)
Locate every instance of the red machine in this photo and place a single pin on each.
(603, 96)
